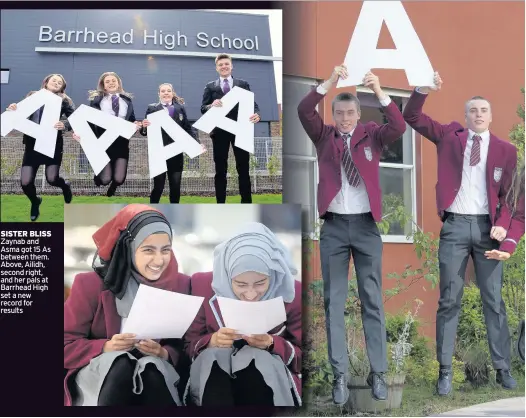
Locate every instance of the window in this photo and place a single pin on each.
(5, 76)
(397, 169)
(299, 155)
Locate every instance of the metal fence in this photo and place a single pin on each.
(198, 175)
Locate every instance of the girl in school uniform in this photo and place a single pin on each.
(111, 98)
(174, 105)
(515, 202)
(32, 159)
(231, 369)
(105, 367)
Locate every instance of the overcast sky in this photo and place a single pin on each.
(276, 28)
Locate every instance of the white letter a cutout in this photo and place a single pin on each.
(409, 54)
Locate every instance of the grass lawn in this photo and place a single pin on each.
(420, 401)
(15, 208)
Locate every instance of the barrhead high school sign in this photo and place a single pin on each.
(155, 37)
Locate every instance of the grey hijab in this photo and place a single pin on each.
(254, 248)
(124, 305)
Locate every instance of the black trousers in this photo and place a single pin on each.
(221, 145)
(117, 389)
(248, 388)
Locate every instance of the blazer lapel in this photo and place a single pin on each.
(338, 141)
(111, 317)
(358, 134)
(463, 138)
(235, 82)
(491, 161)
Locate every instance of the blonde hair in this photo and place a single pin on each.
(100, 87)
(178, 99)
(516, 190)
(61, 92)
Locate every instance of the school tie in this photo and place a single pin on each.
(170, 109)
(115, 104)
(353, 177)
(226, 86)
(475, 151)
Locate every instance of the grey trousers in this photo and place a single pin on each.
(340, 236)
(463, 236)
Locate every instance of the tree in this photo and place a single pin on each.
(517, 132)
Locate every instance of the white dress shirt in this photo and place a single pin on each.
(350, 200)
(472, 197)
(106, 105)
(230, 82)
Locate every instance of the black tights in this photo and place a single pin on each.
(174, 180)
(117, 389)
(115, 172)
(247, 389)
(27, 179)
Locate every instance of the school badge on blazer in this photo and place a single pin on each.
(181, 117)
(497, 174)
(368, 153)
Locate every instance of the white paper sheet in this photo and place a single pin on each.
(158, 153)
(95, 148)
(158, 313)
(44, 133)
(252, 318)
(409, 55)
(243, 129)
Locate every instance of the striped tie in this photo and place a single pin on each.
(115, 104)
(348, 164)
(475, 151)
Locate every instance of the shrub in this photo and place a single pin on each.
(471, 326)
(477, 364)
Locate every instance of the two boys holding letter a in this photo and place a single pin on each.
(475, 171)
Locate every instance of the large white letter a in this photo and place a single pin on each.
(409, 54)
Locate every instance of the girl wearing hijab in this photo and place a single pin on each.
(232, 369)
(110, 97)
(174, 105)
(104, 366)
(32, 160)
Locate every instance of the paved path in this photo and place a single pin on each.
(511, 407)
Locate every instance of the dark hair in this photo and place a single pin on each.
(223, 56)
(346, 97)
(516, 190)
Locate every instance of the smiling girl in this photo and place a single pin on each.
(111, 98)
(32, 159)
(174, 105)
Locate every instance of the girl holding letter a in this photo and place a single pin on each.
(111, 98)
(515, 203)
(174, 105)
(105, 367)
(32, 159)
(232, 369)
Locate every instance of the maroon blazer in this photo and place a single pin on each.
(451, 140)
(91, 319)
(287, 342)
(516, 230)
(367, 142)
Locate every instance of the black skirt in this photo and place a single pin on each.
(119, 149)
(33, 158)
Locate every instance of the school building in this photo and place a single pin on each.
(145, 48)
(478, 49)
